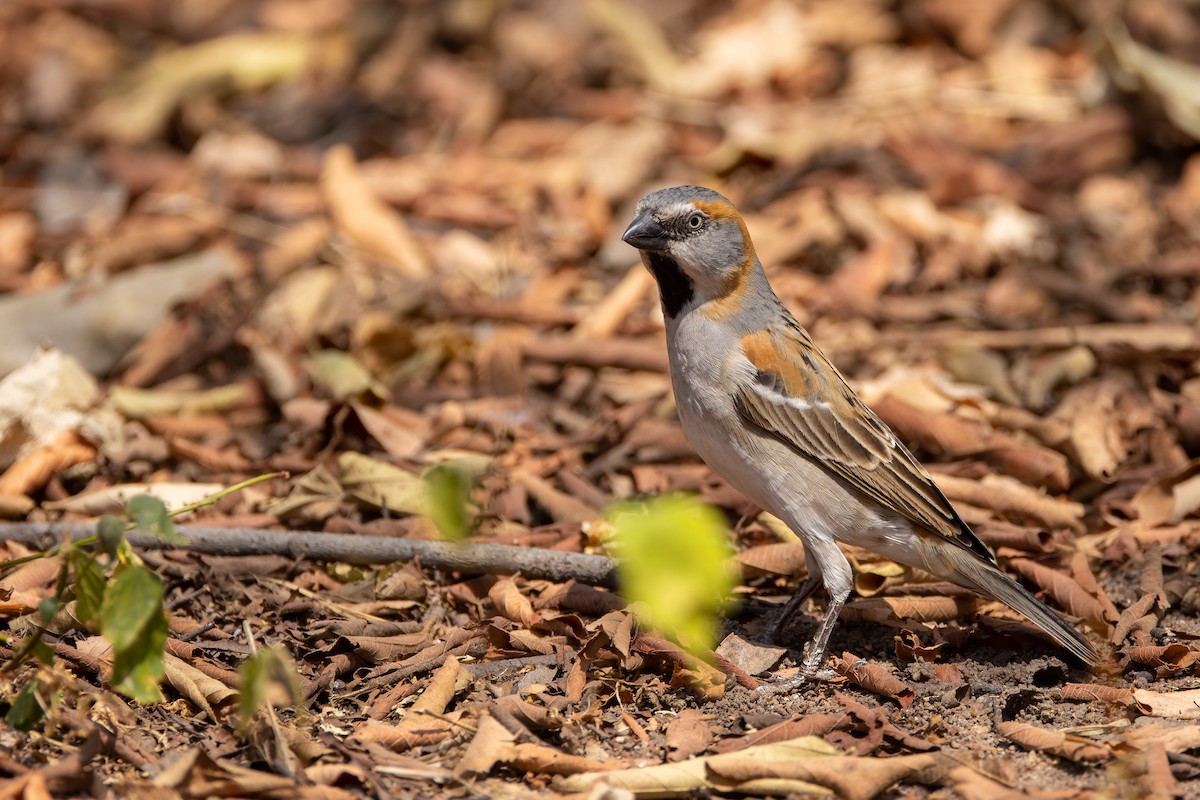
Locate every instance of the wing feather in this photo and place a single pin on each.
(802, 400)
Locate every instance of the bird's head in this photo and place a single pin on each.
(694, 242)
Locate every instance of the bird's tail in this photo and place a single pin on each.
(973, 573)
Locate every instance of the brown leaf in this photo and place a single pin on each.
(1172, 705)
(1058, 743)
(873, 678)
(809, 725)
(687, 735)
(34, 469)
(511, 603)
(1008, 496)
(365, 219)
(1134, 617)
(1150, 579)
(909, 648)
(780, 558)
(1081, 571)
(751, 657)
(548, 761)
(918, 609)
(1169, 498)
(207, 694)
(1096, 432)
(1170, 658)
(859, 282)
(1095, 691)
(1065, 590)
(492, 744)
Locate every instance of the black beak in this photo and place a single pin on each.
(646, 234)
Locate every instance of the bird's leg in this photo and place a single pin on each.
(802, 593)
(826, 561)
(814, 654)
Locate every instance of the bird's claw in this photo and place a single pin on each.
(810, 673)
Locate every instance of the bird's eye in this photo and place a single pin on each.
(696, 222)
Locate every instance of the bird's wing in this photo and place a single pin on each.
(800, 398)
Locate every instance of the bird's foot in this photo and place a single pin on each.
(810, 672)
(781, 685)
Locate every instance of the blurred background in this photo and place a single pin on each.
(265, 209)
(355, 240)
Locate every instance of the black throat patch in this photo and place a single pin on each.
(674, 287)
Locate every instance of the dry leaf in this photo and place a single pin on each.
(873, 678)
(1171, 497)
(365, 219)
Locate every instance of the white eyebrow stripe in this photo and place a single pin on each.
(677, 210)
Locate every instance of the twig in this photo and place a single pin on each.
(494, 669)
(201, 503)
(469, 557)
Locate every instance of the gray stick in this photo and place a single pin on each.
(470, 557)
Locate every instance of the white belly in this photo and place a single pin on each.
(817, 505)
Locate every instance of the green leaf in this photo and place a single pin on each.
(150, 516)
(340, 375)
(89, 586)
(43, 652)
(133, 621)
(139, 670)
(26, 710)
(111, 532)
(130, 604)
(263, 671)
(448, 490)
(673, 562)
(47, 609)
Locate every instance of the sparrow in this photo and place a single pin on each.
(772, 415)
